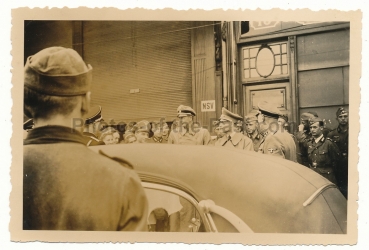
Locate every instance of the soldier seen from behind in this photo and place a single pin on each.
(66, 186)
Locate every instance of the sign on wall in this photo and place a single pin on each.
(207, 106)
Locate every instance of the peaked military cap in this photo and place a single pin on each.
(183, 110)
(250, 118)
(94, 115)
(57, 71)
(28, 124)
(268, 109)
(229, 116)
(142, 126)
(341, 111)
(307, 116)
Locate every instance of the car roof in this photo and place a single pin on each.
(267, 192)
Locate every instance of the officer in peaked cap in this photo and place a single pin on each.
(76, 188)
(252, 131)
(232, 138)
(187, 131)
(92, 127)
(142, 130)
(323, 153)
(340, 137)
(276, 142)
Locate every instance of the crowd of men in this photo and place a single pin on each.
(264, 131)
(57, 90)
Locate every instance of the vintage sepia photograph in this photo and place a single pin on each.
(199, 130)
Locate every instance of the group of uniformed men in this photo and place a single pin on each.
(264, 131)
(57, 85)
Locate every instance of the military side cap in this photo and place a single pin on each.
(183, 110)
(94, 115)
(57, 71)
(316, 119)
(341, 111)
(142, 126)
(229, 116)
(250, 118)
(268, 109)
(307, 116)
(28, 124)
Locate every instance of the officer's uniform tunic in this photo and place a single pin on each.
(341, 139)
(66, 186)
(279, 144)
(302, 137)
(202, 137)
(256, 141)
(323, 157)
(237, 140)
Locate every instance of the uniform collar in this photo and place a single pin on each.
(339, 130)
(53, 134)
(157, 139)
(234, 138)
(320, 138)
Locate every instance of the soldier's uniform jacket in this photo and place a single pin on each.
(91, 140)
(341, 139)
(256, 141)
(302, 137)
(201, 137)
(66, 186)
(279, 144)
(237, 140)
(323, 157)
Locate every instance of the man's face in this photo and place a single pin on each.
(165, 130)
(316, 130)
(250, 127)
(343, 119)
(116, 137)
(141, 136)
(131, 139)
(225, 126)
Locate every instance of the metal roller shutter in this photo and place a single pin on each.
(153, 57)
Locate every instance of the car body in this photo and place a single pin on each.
(233, 190)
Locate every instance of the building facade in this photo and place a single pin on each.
(145, 70)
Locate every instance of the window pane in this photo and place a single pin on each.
(246, 64)
(246, 73)
(170, 212)
(277, 70)
(284, 59)
(277, 59)
(246, 53)
(276, 49)
(253, 52)
(252, 62)
(284, 48)
(254, 73)
(285, 69)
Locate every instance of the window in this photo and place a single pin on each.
(170, 211)
(265, 60)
